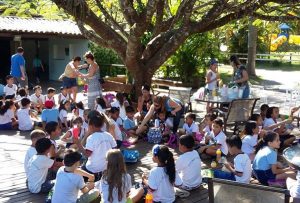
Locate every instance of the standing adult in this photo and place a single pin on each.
(93, 76)
(171, 106)
(38, 68)
(144, 102)
(69, 77)
(240, 75)
(17, 69)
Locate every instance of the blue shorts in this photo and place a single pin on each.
(69, 82)
(6, 126)
(263, 176)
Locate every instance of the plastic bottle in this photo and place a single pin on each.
(214, 92)
(218, 153)
(149, 198)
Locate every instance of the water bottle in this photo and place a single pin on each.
(149, 198)
(218, 153)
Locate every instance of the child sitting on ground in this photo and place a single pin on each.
(117, 133)
(249, 139)
(162, 178)
(25, 116)
(190, 127)
(208, 121)
(240, 171)
(7, 115)
(265, 165)
(50, 95)
(79, 109)
(49, 114)
(35, 135)
(69, 135)
(115, 184)
(64, 95)
(53, 131)
(294, 187)
(10, 90)
(100, 104)
(263, 111)
(63, 109)
(215, 140)
(259, 122)
(97, 145)
(85, 124)
(188, 165)
(22, 93)
(38, 167)
(270, 123)
(121, 103)
(164, 124)
(68, 182)
(37, 99)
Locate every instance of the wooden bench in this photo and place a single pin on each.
(220, 191)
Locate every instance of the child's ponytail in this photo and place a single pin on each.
(270, 137)
(165, 158)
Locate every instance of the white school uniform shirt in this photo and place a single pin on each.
(6, 117)
(191, 129)
(29, 154)
(10, 90)
(249, 143)
(219, 139)
(25, 121)
(118, 132)
(207, 130)
(242, 163)
(116, 103)
(36, 99)
(99, 143)
(212, 85)
(104, 190)
(62, 115)
(268, 122)
(67, 186)
(188, 166)
(158, 180)
(38, 167)
(81, 134)
(294, 187)
(63, 97)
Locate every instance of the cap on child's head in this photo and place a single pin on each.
(114, 110)
(213, 61)
(49, 104)
(71, 157)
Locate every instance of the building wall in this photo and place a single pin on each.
(61, 52)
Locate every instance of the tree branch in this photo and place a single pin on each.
(159, 17)
(129, 12)
(275, 18)
(111, 19)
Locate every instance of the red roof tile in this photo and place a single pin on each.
(38, 25)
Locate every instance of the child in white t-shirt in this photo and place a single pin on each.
(188, 165)
(165, 124)
(64, 95)
(35, 135)
(190, 127)
(69, 182)
(37, 99)
(50, 95)
(25, 116)
(162, 179)
(215, 140)
(294, 186)
(116, 133)
(97, 145)
(7, 115)
(63, 109)
(249, 139)
(38, 167)
(206, 129)
(100, 105)
(114, 174)
(69, 135)
(10, 89)
(121, 103)
(79, 109)
(241, 170)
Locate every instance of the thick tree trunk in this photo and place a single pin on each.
(252, 42)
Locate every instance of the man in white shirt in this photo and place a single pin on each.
(188, 165)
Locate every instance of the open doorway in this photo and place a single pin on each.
(4, 58)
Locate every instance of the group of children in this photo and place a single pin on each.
(90, 161)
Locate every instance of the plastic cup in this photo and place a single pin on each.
(75, 132)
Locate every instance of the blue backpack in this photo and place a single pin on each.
(154, 135)
(130, 156)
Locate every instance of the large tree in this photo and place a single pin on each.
(145, 33)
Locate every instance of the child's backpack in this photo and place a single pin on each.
(130, 156)
(173, 141)
(154, 135)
